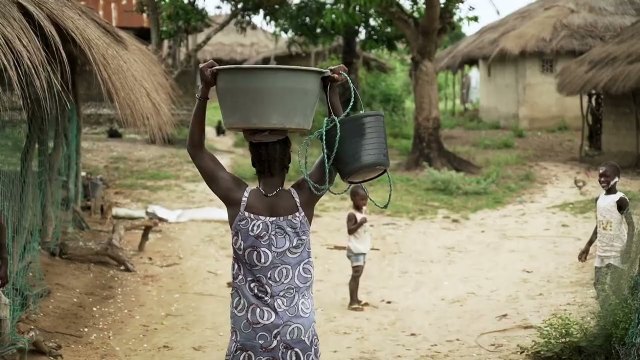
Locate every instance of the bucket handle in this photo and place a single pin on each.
(353, 90)
(386, 205)
(303, 152)
(383, 207)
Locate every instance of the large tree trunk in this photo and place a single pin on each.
(351, 59)
(423, 36)
(154, 24)
(427, 142)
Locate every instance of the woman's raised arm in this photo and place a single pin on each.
(226, 186)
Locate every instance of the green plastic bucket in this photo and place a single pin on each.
(362, 154)
(268, 96)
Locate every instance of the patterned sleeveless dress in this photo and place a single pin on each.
(272, 310)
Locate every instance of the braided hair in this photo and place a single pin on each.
(271, 158)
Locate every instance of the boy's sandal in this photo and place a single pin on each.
(355, 307)
(363, 303)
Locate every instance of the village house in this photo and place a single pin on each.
(613, 69)
(123, 15)
(519, 56)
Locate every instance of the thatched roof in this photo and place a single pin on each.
(38, 38)
(613, 68)
(235, 46)
(548, 27)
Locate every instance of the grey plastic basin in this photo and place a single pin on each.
(268, 96)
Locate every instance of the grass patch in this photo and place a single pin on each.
(469, 121)
(588, 206)
(213, 113)
(580, 207)
(417, 195)
(518, 132)
(497, 143)
(421, 194)
(562, 126)
(402, 146)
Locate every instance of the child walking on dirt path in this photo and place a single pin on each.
(272, 308)
(614, 232)
(358, 245)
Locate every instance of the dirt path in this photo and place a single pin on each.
(436, 284)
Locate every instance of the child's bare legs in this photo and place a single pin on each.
(357, 267)
(354, 284)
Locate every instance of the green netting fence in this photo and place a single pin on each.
(39, 186)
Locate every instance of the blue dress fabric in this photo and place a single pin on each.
(272, 309)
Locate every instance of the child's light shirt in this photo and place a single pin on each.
(360, 241)
(612, 230)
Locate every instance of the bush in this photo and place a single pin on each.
(611, 336)
(390, 93)
(559, 337)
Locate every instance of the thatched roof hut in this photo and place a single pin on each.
(612, 68)
(233, 46)
(42, 45)
(549, 27)
(40, 40)
(519, 55)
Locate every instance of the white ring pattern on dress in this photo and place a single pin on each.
(272, 309)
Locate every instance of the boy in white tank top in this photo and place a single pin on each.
(358, 245)
(613, 233)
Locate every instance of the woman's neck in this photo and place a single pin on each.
(271, 183)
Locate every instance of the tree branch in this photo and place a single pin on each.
(191, 54)
(403, 21)
(429, 26)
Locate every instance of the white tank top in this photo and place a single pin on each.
(360, 241)
(612, 229)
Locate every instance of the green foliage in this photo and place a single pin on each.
(503, 142)
(455, 34)
(518, 132)
(389, 93)
(564, 337)
(179, 18)
(559, 337)
(453, 183)
(562, 126)
(322, 22)
(468, 121)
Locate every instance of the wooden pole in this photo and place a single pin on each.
(454, 97)
(446, 89)
(635, 111)
(584, 120)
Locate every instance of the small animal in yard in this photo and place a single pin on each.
(220, 130)
(93, 191)
(579, 183)
(114, 133)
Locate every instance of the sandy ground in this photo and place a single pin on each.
(436, 285)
